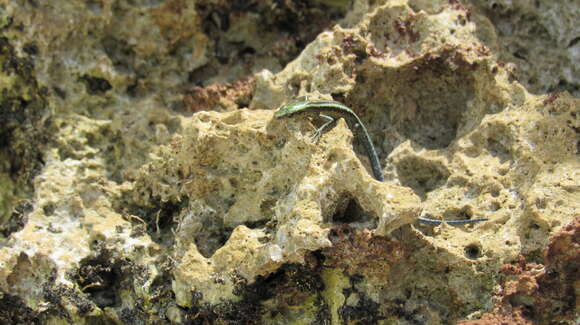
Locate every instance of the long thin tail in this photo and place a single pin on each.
(454, 222)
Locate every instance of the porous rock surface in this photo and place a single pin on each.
(541, 38)
(145, 180)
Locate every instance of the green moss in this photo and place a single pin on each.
(7, 197)
(303, 314)
(334, 284)
(22, 137)
(340, 4)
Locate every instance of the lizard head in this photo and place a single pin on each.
(291, 108)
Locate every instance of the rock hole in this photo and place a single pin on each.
(472, 251)
(96, 85)
(338, 234)
(17, 219)
(541, 203)
(353, 215)
(521, 54)
(297, 282)
(159, 219)
(574, 42)
(498, 149)
(256, 224)
(466, 213)
(423, 176)
(497, 6)
(211, 239)
(528, 310)
(59, 92)
(101, 279)
(30, 49)
(432, 118)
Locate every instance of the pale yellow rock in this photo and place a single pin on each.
(302, 183)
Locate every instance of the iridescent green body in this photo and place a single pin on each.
(335, 110)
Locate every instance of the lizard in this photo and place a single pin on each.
(332, 111)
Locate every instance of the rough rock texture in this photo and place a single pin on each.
(143, 179)
(546, 294)
(541, 37)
